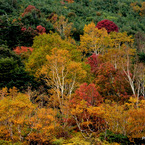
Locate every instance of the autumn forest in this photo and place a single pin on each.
(72, 72)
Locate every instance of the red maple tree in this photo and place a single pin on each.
(108, 25)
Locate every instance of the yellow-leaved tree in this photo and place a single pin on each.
(94, 40)
(62, 74)
(43, 44)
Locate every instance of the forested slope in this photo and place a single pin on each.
(72, 72)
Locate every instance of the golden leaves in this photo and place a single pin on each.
(63, 74)
(63, 27)
(94, 40)
(20, 119)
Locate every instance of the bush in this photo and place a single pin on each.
(112, 137)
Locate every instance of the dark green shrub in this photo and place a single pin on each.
(112, 137)
(141, 57)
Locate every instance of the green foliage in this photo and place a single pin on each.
(7, 6)
(12, 71)
(111, 137)
(78, 140)
(58, 141)
(142, 57)
(80, 13)
(3, 142)
(11, 34)
(43, 44)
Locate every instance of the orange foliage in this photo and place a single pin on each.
(22, 49)
(70, 1)
(21, 120)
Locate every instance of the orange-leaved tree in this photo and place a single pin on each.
(15, 111)
(22, 121)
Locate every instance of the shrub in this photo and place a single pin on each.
(112, 137)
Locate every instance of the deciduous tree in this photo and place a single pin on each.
(93, 40)
(43, 44)
(62, 74)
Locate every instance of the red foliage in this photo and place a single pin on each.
(108, 25)
(21, 49)
(41, 29)
(94, 62)
(111, 83)
(88, 93)
(29, 10)
(62, 2)
(29, 31)
(23, 29)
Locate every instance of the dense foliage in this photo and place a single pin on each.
(12, 71)
(72, 72)
(108, 25)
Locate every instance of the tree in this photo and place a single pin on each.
(89, 119)
(93, 40)
(142, 9)
(136, 119)
(30, 9)
(94, 61)
(12, 71)
(108, 25)
(62, 74)
(43, 44)
(70, 1)
(110, 81)
(41, 29)
(15, 111)
(43, 124)
(88, 93)
(23, 51)
(23, 121)
(63, 27)
(115, 117)
(136, 78)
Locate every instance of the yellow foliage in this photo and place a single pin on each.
(63, 74)
(94, 40)
(139, 9)
(20, 119)
(63, 27)
(43, 45)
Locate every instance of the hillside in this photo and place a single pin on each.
(72, 72)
